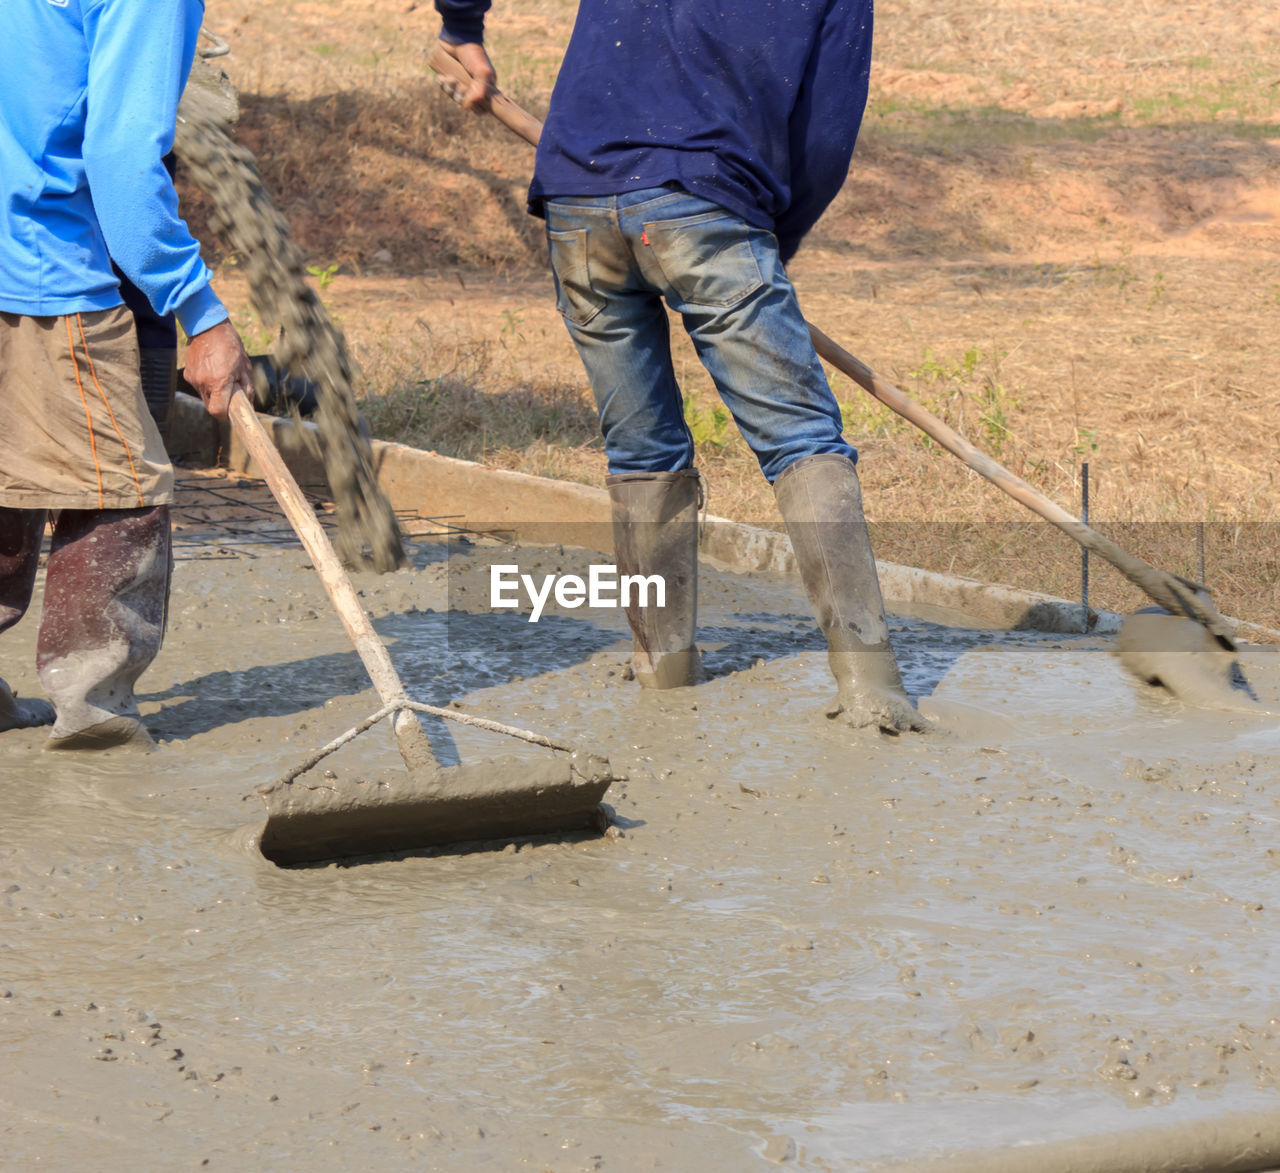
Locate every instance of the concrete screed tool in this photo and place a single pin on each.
(1153, 647)
(431, 804)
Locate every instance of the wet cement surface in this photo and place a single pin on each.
(803, 945)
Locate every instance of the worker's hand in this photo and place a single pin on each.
(484, 78)
(217, 367)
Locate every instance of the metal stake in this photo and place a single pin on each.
(1084, 550)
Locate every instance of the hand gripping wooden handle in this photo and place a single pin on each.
(503, 108)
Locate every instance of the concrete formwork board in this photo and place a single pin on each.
(536, 510)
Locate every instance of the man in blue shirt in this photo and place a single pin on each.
(88, 98)
(689, 147)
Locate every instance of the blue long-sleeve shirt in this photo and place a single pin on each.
(753, 104)
(89, 92)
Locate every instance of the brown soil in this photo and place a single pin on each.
(1060, 233)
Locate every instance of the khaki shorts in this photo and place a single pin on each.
(75, 432)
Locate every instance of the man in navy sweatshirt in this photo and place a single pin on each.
(88, 96)
(689, 147)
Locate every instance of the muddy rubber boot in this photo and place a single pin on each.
(20, 534)
(105, 599)
(655, 532)
(159, 371)
(821, 502)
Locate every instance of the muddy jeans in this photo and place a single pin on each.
(617, 258)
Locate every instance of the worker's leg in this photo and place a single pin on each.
(655, 539)
(727, 281)
(821, 502)
(76, 438)
(105, 600)
(619, 324)
(20, 534)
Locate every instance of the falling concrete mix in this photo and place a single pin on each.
(1050, 919)
(308, 345)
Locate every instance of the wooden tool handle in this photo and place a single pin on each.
(410, 736)
(1170, 591)
(935, 429)
(503, 109)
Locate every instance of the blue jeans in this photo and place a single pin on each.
(616, 258)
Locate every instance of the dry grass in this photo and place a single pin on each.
(1060, 233)
(502, 427)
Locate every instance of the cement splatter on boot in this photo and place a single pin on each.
(655, 536)
(106, 594)
(870, 693)
(821, 502)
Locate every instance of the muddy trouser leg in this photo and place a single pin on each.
(655, 533)
(105, 602)
(20, 534)
(821, 502)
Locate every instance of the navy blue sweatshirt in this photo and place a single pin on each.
(753, 104)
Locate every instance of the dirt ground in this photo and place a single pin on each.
(1059, 233)
(798, 945)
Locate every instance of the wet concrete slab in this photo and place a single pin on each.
(799, 944)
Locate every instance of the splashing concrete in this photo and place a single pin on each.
(1179, 655)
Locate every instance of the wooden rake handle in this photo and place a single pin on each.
(1176, 594)
(513, 117)
(1172, 592)
(411, 738)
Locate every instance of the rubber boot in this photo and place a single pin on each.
(20, 534)
(159, 371)
(105, 600)
(655, 532)
(821, 502)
